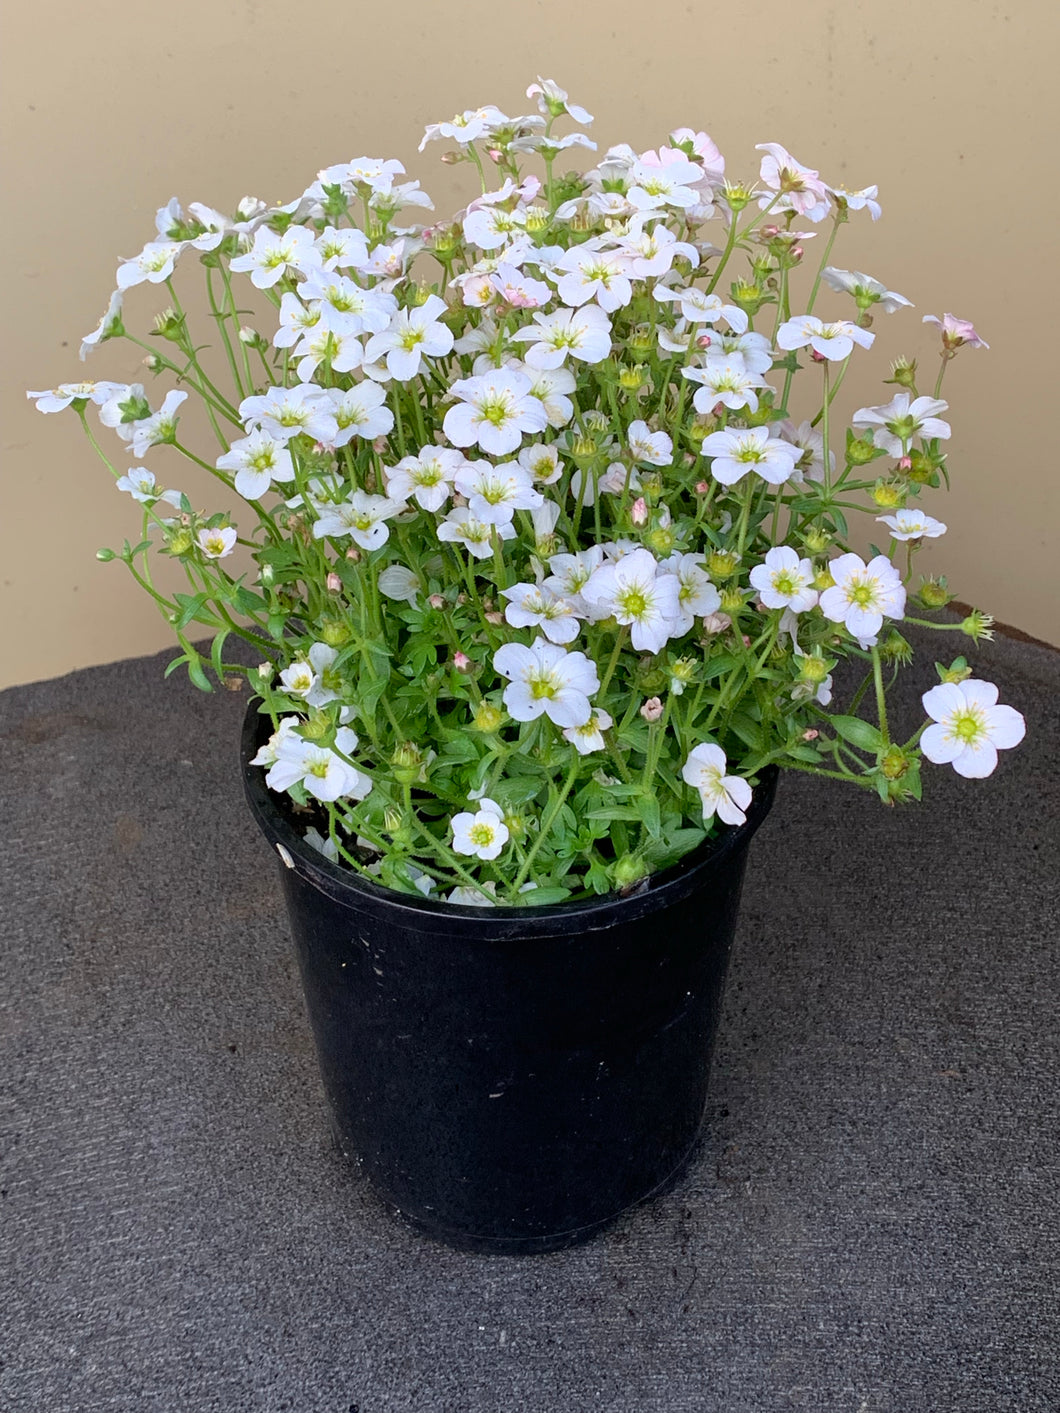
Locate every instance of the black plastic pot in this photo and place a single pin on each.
(512, 1079)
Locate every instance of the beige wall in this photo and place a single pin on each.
(111, 109)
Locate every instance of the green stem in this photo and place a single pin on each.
(550, 819)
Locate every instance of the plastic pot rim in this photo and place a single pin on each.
(427, 914)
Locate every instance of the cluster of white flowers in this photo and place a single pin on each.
(539, 460)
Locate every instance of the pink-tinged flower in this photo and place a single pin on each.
(666, 178)
(969, 727)
(218, 542)
(734, 452)
(955, 332)
(518, 290)
(495, 493)
(652, 251)
(589, 737)
(535, 606)
(272, 255)
(728, 796)
(587, 272)
(585, 334)
(865, 289)
(832, 341)
(784, 580)
(801, 188)
(482, 834)
(913, 524)
(58, 399)
(546, 679)
(552, 100)
(863, 595)
(698, 144)
(652, 709)
(896, 424)
(494, 411)
(633, 590)
(460, 526)
(427, 478)
(863, 200)
(412, 334)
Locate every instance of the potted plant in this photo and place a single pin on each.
(543, 546)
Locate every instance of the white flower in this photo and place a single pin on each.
(517, 289)
(154, 264)
(550, 386)
(832, 341)
(140, 483)
(696, 596)
(490, 227)
(670, 180)
(633, 591)
(472, 897)
(653, 448)
(483, 834)
(342, 352)
(257, 460)
(545, 678)
(375, 173)
(541, 461)
(534, 606)
(913, 525)
(970, 727)
(571, 573)
(296, 319)
(494, 411)
(151, 431)
(698, 307)
(552, 100)
(460, 526)
(495, 493)
(653, 251)
(323, 773)
(107, 328)
(217, 543)
(427, 478)
(363, 517)
(900, 420)
(328, 847)
(784, 580)
(267, 753)
(727, 795)
(342, 248)
(58, 399)
(863, 200)
(272, 255)
(586, 273)
(583, 333)
(589, 737)
(466, 127)
(726, 381)
(360, 411)
(313, 679)
(398, 582)
(810, 444)
(735, 452)
(286, 412)
(864, 288)
(412, 333)
(863, 595)
(348, 307)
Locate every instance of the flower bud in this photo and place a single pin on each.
(105, 555)
(627, 871)
(450, 159)
(958, 671)
(333, 582)
(436, 600)
(652, 709)
(894, 648)
(722, 564)
(716, 623)
(702, 487)
(253, 339)
(638, 511)
(933, 593)
(661, 540)
(268, 574)
(889, 494)
(816, 539)
(265, 671)
(335, 632)
(353, 554)
(461, 661)
(153, 363)
(810, 734)
(895, 763)
(486, 717)
(492, 616)
(407, 761)
(860, 451)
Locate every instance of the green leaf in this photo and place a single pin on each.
(859, 733)
(215, 654)
(648, 811)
